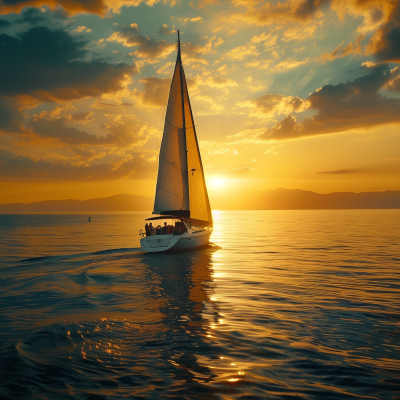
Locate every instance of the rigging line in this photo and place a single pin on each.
(175, 90)
(170, 163)
(179, 129)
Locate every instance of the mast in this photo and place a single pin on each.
(184, 158)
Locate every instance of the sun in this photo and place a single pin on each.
(216, 182)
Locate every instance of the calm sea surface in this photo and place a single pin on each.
(282, 305)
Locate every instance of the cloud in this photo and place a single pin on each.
(166, 68)
(102, 104)
(42, 63)
(248, 136)
(341, 51)
(87, 155)
(34, 16)
(57, 129)
(299, 33)
(192, 52)
(289, 63)
(385, 42)
(214, 106)
(155, 92)
(285, 12)
(267, 40)
(10, 115)
(394, 84)
(346, 106)
(81, 117)
(81, 29)
(380, 16)
(339, 172)
(374, 12)
(6, 155)
(270, 105)
(264, 64)
(24, 169)
(100, 7)
(149, 48)
(164, 30)
(214, 82)
(242, 52)
(213, 148)
(4, 24)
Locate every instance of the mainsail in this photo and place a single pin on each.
(181, 187)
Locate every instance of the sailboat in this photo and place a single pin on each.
(181, 204)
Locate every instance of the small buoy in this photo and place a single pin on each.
(89, 219)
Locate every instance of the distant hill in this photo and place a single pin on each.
(285, 199)
(119, 202)
(278, 199)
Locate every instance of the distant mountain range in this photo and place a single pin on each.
(285, 199)
(119, 202)
(278, 199)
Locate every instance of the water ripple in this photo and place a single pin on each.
(289, 306)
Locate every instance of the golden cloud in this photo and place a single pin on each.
(271, 105)
(147, 47)
(341, 51)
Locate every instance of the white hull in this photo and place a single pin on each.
(186, 241)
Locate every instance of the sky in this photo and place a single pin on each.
(300, 94)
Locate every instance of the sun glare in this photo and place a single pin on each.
(216, 182)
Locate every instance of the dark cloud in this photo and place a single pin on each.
(27, 169)
(57, 129)
(385, 44)
(10, 115)
(72, 6)
(43, 63)
(339, 172)
(6, 155)
(147, 47)
(351, 105)
(100, 7)
(32, 16)
(4, 23)
(121, 134)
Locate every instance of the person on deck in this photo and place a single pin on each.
(146, 227)
(164, 229)
(152, 229)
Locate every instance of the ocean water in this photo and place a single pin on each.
(281, 305)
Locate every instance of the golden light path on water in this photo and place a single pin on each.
(300, 304)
